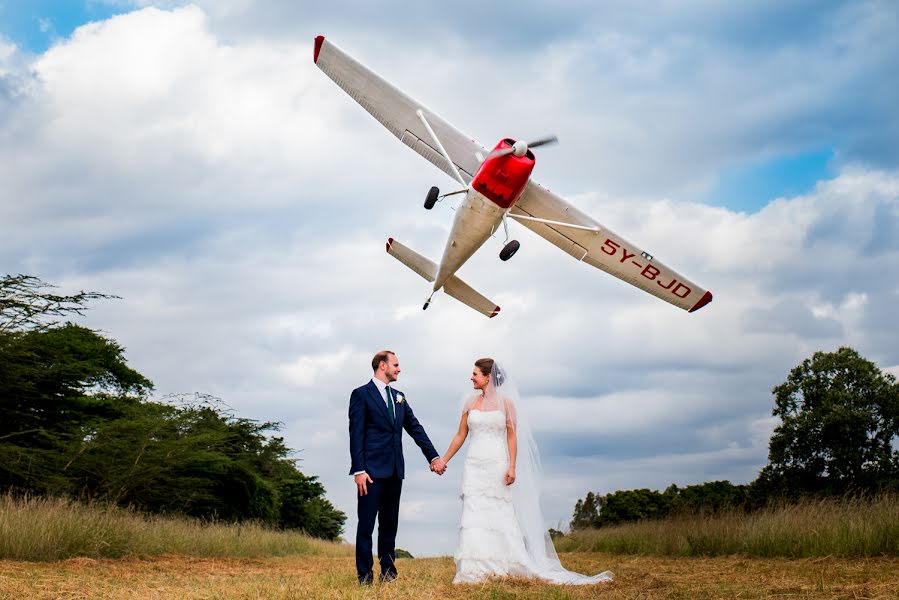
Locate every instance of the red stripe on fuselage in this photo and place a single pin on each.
(502, 179)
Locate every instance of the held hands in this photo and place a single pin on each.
(438, 465)
(510, 476)
(362, 481)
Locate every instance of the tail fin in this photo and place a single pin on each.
(454, 286)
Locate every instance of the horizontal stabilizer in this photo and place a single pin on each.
(412, 259)
(465, 294)
(454, 286)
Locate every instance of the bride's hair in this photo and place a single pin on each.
(487, 366)
(484, 365)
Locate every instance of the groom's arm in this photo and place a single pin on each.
(357, 432)
(414, 429)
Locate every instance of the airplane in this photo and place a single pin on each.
(497, 186)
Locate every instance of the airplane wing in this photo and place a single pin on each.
(397, 112)
(606, 250)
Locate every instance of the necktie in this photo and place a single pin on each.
(390, 408)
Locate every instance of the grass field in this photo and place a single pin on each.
(847, 527)
(54, 549)
(323, 577)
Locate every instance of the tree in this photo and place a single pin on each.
(625, 506)
(304, 506)
(26, 303)
(707, 498)
(56, 384)
(199, 460)
(586, 512)
(839, 429)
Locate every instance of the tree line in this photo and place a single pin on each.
(838, 435)
(78, 421)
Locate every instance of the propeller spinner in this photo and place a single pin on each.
(520, 148)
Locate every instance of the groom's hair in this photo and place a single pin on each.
(380, 357)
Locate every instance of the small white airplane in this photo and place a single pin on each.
(495, 187)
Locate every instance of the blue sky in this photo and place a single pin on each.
(751, 186)
(190, 158)
(35, 24)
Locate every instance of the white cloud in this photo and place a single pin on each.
(7, 50)
(307, 371)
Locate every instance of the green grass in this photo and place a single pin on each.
(46, 529)
(846, 527)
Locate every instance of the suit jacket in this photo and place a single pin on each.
(376, 446)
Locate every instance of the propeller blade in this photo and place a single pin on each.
(551, 139)
(500, 152)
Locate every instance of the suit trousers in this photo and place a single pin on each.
(381, 502)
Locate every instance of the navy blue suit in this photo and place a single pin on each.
(376, 447)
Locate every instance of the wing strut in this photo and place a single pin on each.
(559, 223)
(421, 115)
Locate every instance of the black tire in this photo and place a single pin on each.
(431, 198)
(509, 250)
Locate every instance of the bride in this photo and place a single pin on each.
(502, 532)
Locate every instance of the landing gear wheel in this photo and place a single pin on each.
(509, 250)
(431, 198)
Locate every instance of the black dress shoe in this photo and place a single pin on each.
(388, 577)
(366, 579)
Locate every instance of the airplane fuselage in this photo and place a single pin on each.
(495, 188)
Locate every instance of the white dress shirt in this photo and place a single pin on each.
(382, 387)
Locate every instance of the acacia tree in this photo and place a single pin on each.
(839, 428)
(27, 304)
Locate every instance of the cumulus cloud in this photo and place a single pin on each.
(671, 96)
(238, 201)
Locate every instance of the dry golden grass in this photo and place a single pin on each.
(285, 578)
(56, 529)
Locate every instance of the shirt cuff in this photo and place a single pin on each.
(358, 473)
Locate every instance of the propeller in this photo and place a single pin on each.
(520, 148)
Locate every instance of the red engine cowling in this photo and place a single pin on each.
(503, 178)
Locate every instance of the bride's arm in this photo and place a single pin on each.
(513, 453)
(458, 439)
(511, 440)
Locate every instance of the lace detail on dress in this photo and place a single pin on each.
(491, 543)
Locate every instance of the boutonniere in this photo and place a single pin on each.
(400, 398)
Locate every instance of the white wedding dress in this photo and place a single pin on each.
(494, 538)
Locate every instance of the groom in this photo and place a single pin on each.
(378, 414)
